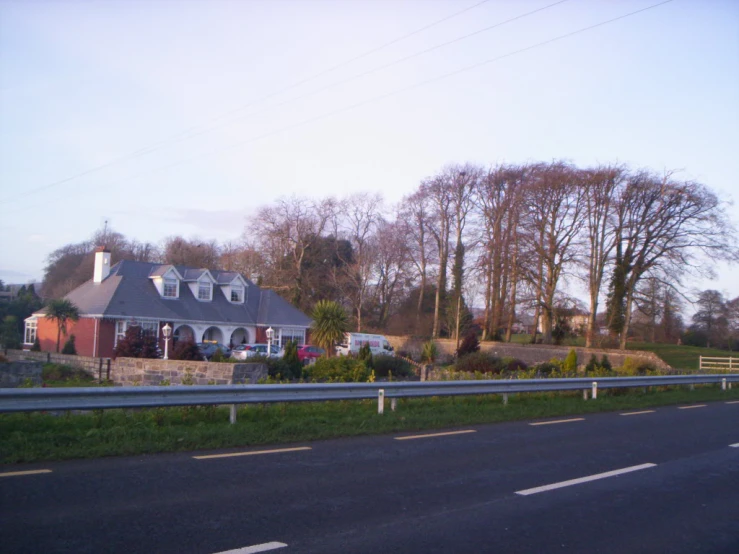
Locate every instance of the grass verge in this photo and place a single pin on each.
(37, 436)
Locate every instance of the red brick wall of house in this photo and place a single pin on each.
(84, 334)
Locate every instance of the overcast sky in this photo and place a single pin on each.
(183, 117)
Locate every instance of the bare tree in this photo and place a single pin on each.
(675, 227)
(440, 221)
(193, 253)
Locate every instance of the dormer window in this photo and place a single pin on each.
(205, 290)
(237, 294)
(170, 288)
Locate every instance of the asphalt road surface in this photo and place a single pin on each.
(656, 481)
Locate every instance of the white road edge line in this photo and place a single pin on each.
(251, 453)
(734, 445)
(693, 406)
(595, 477)
(264, 547)
(733, 402)
(411, 437)
(558, 421)
(19, 473)
(638, 413)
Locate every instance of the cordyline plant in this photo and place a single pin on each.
(329, 324)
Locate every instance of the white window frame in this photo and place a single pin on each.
(169, 281)
(122, 325)
(290, 333)
(30, 331)
(239, 290)
(201, 288)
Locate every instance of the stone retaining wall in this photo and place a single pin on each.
(92, 365)
(14, 374)
(144, 371)
(528, 353)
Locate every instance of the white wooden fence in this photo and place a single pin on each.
(726, 364)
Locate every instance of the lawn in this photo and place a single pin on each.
(680, 356)
(33, 437)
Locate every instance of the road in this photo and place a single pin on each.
(491, 488)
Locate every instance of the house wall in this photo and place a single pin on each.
(528, 353)
(84, 335)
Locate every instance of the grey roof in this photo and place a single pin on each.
(128, 291)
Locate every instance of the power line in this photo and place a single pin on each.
(395, 92)
(185, 134)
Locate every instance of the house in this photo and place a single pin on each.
(201, 304)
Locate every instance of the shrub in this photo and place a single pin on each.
(341, 369)
(365, 354)
(570, 365)
(469, 344)
(634, 367)
(280, 368)
(482, 362)
(605, 363)
(545, 369)
(513, 365)
(218, 356)
(69, 346)
(186, 350)
(60, 372)
(3, 359)
(36, 345)
(137, 343)
(429, 352)
(390, 364)
(592, 364)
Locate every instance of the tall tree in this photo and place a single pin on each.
(710, 316)
(61, 311)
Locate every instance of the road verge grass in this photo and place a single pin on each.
(32, 437)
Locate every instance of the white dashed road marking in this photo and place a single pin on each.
(558, 421)
(252, 453)
(734, 445)
(693, 406)
(256, 548)
(20, 473)
(639, 413)
(580, 480)
(410, 437)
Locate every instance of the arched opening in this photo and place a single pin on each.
(183, 332)
(239, 336)
(213, 334)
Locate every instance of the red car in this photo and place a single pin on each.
(307, 352)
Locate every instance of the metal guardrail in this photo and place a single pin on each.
(714, 363)
(44, 399)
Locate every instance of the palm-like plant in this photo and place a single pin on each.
(329, 324)
(61, 311)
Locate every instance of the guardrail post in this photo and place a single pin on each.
(692, 386)
(595, 390)
(393, 403)
(505, 399)
(232, 414)
(381, 401)
(723, 383)
(584, 394)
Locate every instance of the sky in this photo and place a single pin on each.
(183, 117)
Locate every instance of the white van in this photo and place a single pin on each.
(354, 341)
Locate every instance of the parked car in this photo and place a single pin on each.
(261, 350)
(241, 352)
(207, 349)
(307, 352)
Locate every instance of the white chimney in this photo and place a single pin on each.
(102, 264)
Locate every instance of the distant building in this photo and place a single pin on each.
(201, 304)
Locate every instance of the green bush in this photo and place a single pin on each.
(218, 356)
(605, 363)
(482, 362)
(469, 344)
(186, 350)
(365, 354)
(633, 367)
(592, 364)
(430, 352)
(69, 346)
(570, 365)
(61, 372)
(36, 345)
(341, 369)
(390, 364)
(545, 369)
(282, 368)
(512, 365)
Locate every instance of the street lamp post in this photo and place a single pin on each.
(167, 332)
(270, 335)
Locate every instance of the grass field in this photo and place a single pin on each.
(680, 356)
(39, 436)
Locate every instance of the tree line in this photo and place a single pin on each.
(511, 237)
